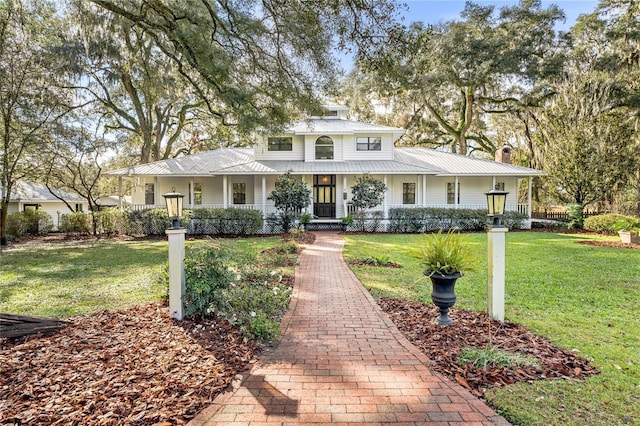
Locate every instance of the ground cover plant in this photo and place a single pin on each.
(127, 361)
(580, 297)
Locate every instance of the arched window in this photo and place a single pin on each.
(324, 148)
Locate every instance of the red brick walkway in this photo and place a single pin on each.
(342, 361)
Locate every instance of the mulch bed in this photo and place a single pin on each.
(470, 329)
(136, 366)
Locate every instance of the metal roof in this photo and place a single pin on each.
(462, 165)
(236, 161)
(30, 191)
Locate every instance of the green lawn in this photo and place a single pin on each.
(580, 297)
(66, 279)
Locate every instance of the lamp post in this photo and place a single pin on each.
(496, 201)
(175, 235)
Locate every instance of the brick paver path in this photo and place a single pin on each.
(342, 361)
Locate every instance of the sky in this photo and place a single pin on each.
(433, 11)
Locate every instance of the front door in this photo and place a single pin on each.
(324, 196)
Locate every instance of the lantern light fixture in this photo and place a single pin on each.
(496, 201)
(174, 201)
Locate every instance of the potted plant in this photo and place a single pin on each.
(445, 257)
(345, 222)
(305, 220)
(628, 229)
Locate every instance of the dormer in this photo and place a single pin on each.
(329, 138)
(333, 112)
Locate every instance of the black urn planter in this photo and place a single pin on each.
(443, 294)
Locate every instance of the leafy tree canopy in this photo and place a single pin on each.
(253, 62)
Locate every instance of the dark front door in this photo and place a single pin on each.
(324, 196)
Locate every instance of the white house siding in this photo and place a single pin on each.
(351, 152)
(297, 152)
(472, 190)
(310, 147)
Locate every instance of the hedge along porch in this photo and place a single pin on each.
(328, 153)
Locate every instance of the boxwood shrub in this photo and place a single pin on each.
(601, 223)
(429, 219)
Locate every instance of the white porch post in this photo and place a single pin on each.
(424, 190)
(456, 194)
(225, 191)
(493, 182)
(385, 204)
(156, 191)
(191, 193)
(529, 197)
(120, 194)
(345, 190)
(264, 197)
(176, 272)
(495, 270)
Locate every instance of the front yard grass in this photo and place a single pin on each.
(580, 297)
(76, 278)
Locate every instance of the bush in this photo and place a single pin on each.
(602, 223)
(207, 276)
(430, 219)
(229, 221)
(29, 222)
(237, 287)
(109, 221)
(574, 212)
(76, 222)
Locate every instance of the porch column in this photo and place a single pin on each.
(345, 190)
(264, 197)
(493, 182)
(156, 191)
(385, 205)
(529, 196)
(191, 193)
(456, 195)
(120, 195)
(225, 191)
(424, 190)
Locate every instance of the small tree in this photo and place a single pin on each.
(367, 194)
(290, 196)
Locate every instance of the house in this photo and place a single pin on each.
(329, 152)
(29, 195)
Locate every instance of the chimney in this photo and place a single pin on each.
(503, 155)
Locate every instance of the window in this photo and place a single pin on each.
(368, 144)
(451, 193)
(31, 207)
(324, 148)
(280, 144)
(408, 193)
(79, 207)
(239, 193)
(197, 194)
(149, 193)
(499, 186)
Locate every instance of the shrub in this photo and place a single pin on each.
(229, 221)
(574, 212)
(29, 222)
(207, 275)
(601, 223)
(430, 219)
(76, 222)
(109, 221)
(251, 296)
(17, 224)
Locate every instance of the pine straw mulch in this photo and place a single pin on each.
(136, 366)
(442, 345)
